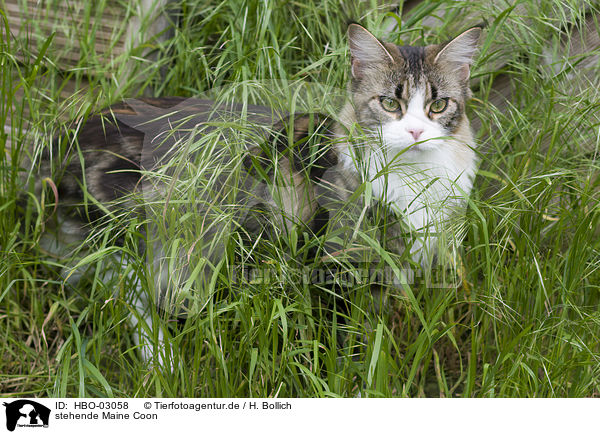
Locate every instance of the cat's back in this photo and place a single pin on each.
(107, 152)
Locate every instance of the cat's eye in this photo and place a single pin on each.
(439, 105)
(389, 104)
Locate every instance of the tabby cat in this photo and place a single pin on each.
(404, 130)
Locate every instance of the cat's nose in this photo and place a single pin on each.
(415, 132)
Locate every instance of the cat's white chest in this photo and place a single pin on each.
(426, 194)
(424, 187)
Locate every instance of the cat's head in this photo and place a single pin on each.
(411, 95)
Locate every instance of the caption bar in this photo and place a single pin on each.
(155, 415)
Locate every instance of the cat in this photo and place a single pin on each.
(404, 130)
(412, 99)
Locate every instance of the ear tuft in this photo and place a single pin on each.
(365, 49)
(459, 51)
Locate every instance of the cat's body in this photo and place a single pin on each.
(414, 144)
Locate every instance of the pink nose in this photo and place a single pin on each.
(415, 132)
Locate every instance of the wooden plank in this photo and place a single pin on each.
(109, 32)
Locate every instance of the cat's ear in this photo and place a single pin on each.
(459, 52)
(365, 49)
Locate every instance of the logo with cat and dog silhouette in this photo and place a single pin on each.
(26, 413)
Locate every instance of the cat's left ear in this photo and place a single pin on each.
(459, 51)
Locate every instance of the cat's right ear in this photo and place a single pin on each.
(365, 50)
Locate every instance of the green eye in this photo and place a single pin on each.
(389, 104)
(439, 105)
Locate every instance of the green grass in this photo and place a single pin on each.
(525, 323)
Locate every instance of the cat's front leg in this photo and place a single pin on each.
(149, 337)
